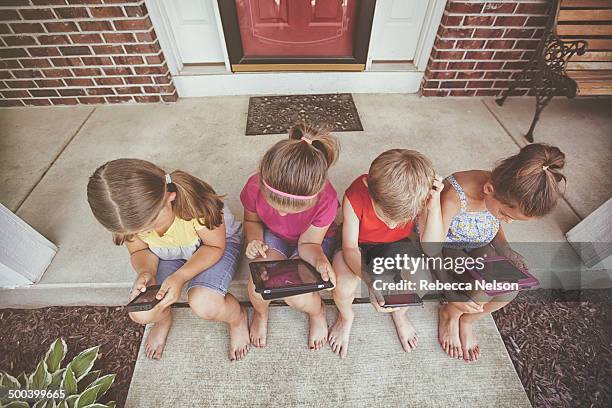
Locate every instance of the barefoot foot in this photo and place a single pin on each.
(259, 330)
(469, 343)
(318, 329)
(448, 332)
(239, 337)
(156, 340)
(406, 332)
(339, 335)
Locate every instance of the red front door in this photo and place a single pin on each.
(296, 28)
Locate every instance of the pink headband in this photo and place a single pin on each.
(283, 194)
(307, 140)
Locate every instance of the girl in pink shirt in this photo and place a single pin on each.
(289, 212)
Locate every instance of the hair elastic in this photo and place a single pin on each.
(168, 179)
(287, 195)
(545, 168)
(307, 140)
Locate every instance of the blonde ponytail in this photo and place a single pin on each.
(196, 199)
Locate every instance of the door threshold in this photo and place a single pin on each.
(295, 83)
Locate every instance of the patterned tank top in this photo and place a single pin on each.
(469, 229)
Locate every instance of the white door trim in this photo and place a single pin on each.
(224, 82)
(161, 23)
(433, 17)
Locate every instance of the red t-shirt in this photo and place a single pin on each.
(372, 230)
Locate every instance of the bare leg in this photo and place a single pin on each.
(448, 330)
(156, 339)
(259, 326)
(211, 305)
(406, 332)
(469, 343)
(344, 294)
(313, 306)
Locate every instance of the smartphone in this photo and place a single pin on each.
(144, 301)
(402, 300)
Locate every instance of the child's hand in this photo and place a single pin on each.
(514, 257)
(140, 285)
(377, 300)
(434, 193)
(255, 249)
(170, 290)
(325, 269)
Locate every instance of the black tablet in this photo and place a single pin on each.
(402, 300)
(290, 277)
(144, 301)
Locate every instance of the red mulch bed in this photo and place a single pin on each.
(561, 346)
(25, 336)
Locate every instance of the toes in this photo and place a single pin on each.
(343, 352)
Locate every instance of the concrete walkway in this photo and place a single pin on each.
(195, 372)
(47, 155)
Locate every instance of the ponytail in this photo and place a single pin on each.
(317, 137)
(531, 179)
(127, 195)
(295, 169)
(195, 199)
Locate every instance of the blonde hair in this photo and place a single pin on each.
(127, 195)
(531, 179)
(298, 166)
(399, 181)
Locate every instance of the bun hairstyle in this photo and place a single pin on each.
(127, 195)
(294, 170)
(531, 179)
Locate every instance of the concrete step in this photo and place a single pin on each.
(195, 371)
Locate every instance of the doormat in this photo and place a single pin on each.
(276, 114)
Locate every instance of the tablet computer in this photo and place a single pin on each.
(402, 300)
(290, 277)
(145, 300)
(498, 269)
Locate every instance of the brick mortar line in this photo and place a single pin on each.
(74, 32)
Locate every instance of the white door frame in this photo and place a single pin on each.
(214, 81)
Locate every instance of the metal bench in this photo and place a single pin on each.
(574, 56)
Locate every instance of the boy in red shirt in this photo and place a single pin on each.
(380, 209)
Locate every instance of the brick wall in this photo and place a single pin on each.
(481, 45)
(67, 52)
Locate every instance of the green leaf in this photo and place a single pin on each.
(88, 397)
(55, 355)
(62, 404)
(104, 383)
(111, 404)
(69, 382)
(96, 405)
(89, 378)
(71, 400)
(41, 378)
(40, 404)
(23, 380)
(56, 378)
(9, 382)
(51, 404)
(82, 363)
(17, 404)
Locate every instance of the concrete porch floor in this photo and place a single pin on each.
(47, 155)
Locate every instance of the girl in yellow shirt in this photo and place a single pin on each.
(178, 232)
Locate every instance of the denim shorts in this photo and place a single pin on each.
(291, 250)
(217, 277)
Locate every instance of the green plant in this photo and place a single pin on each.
(51, 386)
